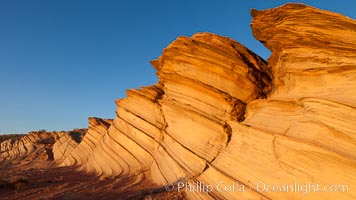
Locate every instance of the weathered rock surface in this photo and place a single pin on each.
(313, 52)
(175, 129)
(80, 154)
(65, 144)
(26, 147)
(221, 115)
(37, 146)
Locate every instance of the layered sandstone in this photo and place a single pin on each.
(220, 113)
(37, 146)
(174, 130)
(83, 153)
(26, 147)
(313, 52)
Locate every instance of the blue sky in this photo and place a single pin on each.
(62, 61)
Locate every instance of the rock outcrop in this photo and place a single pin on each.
(313, 52)
(37, 146)
(83, 153)
(221, 113)
(176, 129)
(65, 144)
(221, 117)
(27, 147)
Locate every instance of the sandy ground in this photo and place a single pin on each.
(67, 183)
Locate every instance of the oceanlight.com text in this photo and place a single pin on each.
(260, 186)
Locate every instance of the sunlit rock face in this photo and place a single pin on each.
(176, 129)
(79, 154)
(221, 115)
(313, 52)
(306, 126)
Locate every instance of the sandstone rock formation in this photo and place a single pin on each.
(83, 154)
(26, 146)
(36, 146)
(220, 114)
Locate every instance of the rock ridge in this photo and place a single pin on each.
(220, 113)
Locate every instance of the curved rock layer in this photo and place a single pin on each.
(26, 147)
(81, 153)
(38, 146)
(314, 98)
(175, 129)
(220, 115)
(313, 52)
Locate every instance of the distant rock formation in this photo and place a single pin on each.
(36, 146)
(220, 113)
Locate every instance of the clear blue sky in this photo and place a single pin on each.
(62, 61)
